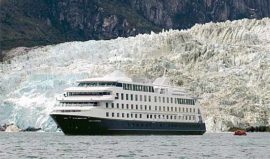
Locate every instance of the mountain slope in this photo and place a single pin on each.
(41, 22)
(226, 64)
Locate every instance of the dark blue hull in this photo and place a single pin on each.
(77, 125)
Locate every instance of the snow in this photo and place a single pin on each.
(226, 64)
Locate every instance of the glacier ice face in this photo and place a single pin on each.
(226, 64)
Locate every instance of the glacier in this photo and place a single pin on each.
(226, 64)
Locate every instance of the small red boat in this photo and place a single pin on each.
(240, 132)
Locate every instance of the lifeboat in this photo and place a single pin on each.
(240, 132)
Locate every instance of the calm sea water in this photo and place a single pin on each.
(210, 145)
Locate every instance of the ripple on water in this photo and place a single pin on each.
(56, 145)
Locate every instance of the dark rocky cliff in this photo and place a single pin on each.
(40, 22)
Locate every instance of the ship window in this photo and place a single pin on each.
(123, 115)
(117, 114)
(107, 105)
(112, 105)
(118, 84)
(145, 98)
(155, 98)
(107, 114)
(149, 98)
(127, 106)
(136, 97)
(122, 106)
(112, 114)
(131, 96)
(126, 96)
(122, 96)
(117, 96)
(117, 105)
(152, 89)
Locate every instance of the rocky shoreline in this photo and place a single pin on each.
(13, 128)
(252, 129)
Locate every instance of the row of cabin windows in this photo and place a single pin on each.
(134, 87)
(79, 103)
(184, 117)
(145, 107)
(99, 84)
(86, 93)
(151, 116)
(123, 115)
(145, 98)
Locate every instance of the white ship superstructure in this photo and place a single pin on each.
(116, 105)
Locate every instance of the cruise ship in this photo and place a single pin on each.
(114, 104)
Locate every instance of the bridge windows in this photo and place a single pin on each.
(134, 87)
